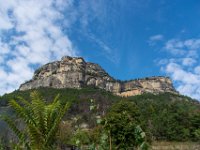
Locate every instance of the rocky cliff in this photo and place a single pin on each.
(74, 72)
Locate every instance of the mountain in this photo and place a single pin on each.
(164, 114)
(75, 72)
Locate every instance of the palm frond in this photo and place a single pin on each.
(38, 107)
(21, 136)
(56, 123)
(22, 112)
(42, 121)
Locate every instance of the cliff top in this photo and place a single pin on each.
(75, 72)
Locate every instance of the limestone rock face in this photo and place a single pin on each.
(74, 72)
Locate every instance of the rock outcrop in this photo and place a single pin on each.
(74, 72)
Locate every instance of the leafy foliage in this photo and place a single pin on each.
(169, 117)
(118, 129)
(164, 116)
(122, 124)
(41, 121)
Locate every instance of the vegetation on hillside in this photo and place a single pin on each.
(169, 117)
(165, 116)
(122, 123)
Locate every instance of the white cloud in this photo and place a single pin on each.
(179, 47)
(179, 74)
(197, 70)
(183, 65)
(31, 34)
(188, 61)
(175, 47)
(157, 37)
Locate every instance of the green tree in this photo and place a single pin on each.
(41, 121)
(120, 128)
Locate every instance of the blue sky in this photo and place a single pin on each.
(129, 39)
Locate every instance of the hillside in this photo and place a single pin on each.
(164, 116)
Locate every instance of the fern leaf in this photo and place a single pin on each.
(21, 136)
